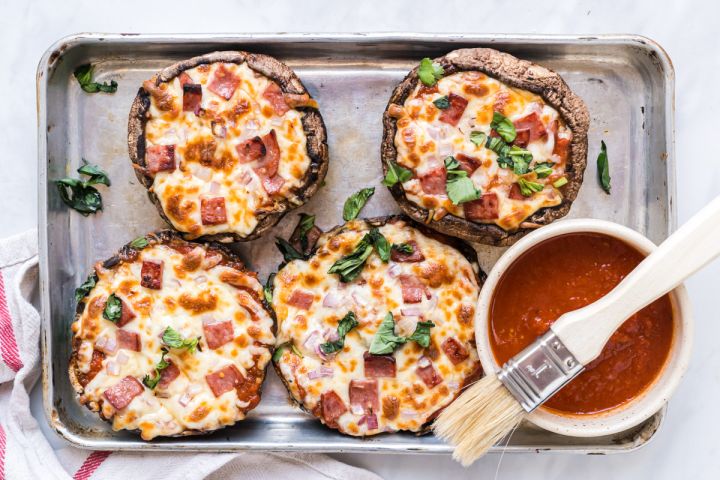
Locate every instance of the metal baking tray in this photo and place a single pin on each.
(627, 82)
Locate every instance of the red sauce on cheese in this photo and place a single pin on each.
(566, 273)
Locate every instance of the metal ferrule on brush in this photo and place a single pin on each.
(535, 374)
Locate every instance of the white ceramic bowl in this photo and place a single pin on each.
(633, 412)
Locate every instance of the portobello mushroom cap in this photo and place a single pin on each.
(129, 254)
(465, 250)
(516, 73)
(288, 81)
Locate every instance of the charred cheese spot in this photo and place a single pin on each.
(404, 402)
(423, 140)
(188, 401)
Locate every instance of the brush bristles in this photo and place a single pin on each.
(481, 416)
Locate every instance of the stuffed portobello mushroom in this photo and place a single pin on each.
(170, 338)
(227, 143)
(483, 146)
(375, 325)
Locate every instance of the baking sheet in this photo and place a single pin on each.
(626, 81)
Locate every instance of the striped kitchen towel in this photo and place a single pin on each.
(25, 453)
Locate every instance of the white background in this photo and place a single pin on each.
(687, 446)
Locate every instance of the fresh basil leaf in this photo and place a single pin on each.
(403, 248)
(84, 76)
(430, 72)
(478, 138)
(288, 251)
(173, 339)
(350, 266)
(543, 170)
(268, 289)
(382, 246)
(151, 382)
(385, 341)
(75, 194)
(459, 186)
(307, 222)
(497, 145)
(139, 243)
(96, 174)
(421, 335)
(603, 168)
(521, 159)
(356, 202)
(113, 308)
(396, 173)
(527, 188)
(347, 323)
(83, 290)
(560, 182)
(442, 103)
(503, 126)
(282, 347)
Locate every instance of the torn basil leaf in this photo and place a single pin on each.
(139, 243)
(442, 103)
(560, 182)
(277, 354)
(307, 222)
(96, 174)
(527, 187)
(396, 173)
(403, 248)
(173, 339)
(347, 323)
(151, 382)
(84, 76)
(356, 202)
(113, 308)
(543, 170)
(603, 168)
(459, 186)
(382, 246)
(83, 290)
(521, 159)
(81, 195)
(288, 251)
(385, 341)
(430, 72)
(503, 126)
(478, 138)
(268, 289)
(421, 335)
(350, 266)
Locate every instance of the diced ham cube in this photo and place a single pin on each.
(224, 380)
(515, 192)
(425, 90)
(273, 184)
(223, 82)
(561, 147)
(533, 125)
(212, 211)
(274, 95)
(522, 138)
(416, 255)
(122, 393)
(468, 163)
(433, 182)
(332, 407)
(192, 97)
(364, 395)
(428, 374)
(159, 158)
(454, 350)
(268, 165)
(484, 208)
(301, 299)
(126, 314)
(251, 150)
(185, 79)
(151, 274)
(128, 340)
(454, 112)
(218, 334)
(412, 289)
(168, 375)
(378, 366)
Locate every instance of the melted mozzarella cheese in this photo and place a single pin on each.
(450, 281)
(423, 142)
(245, 115)
(187, 297)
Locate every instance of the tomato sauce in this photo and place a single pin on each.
(566, 273)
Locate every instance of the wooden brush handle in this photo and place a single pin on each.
(585, 331)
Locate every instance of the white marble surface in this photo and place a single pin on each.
(687, 446)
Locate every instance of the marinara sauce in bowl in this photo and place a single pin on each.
(566, 266)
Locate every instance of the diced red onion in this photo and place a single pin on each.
(184, 399)
(359, 301)
(331, 300)
(252, 125)
(395, 270)
(203, 173)
(424, 362)
(243, 178)
(122, 358)
(214, 188)
(112, 368)
(372, 422)
(357, 409)
(406, 325)
(411, 312)
(101, 342)
(312, 340)
(330, 335)
(218, 129)
(323, 371)
(110, 346)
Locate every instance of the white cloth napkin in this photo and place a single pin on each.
(26, 454)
